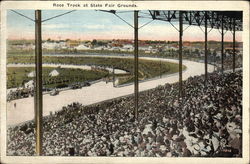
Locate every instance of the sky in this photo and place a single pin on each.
(92, 24)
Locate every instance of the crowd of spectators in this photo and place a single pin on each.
(20, 93)
(228, 62)
(206, 122)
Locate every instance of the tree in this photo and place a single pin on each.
(94, 42)
(101, 43)
(197, 52)
(209, 52)
(214, 53)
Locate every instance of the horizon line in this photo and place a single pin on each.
(118, 39)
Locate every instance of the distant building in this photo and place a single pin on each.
(24, 46)
(115, 48)
(174, 48)
(31, 74)
(54, 73)
(145, 48)
(99, 48)
(154, 51)
(72, 43)
(49, 45)
(62, 45)
(82, 47)
(29, 84)
(128, 47)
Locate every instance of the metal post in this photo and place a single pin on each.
(160, 68)
(136, 87)
(222, 44)
(180, 52)
(205, 46)
(38, 83)
(113, 76)
(234, 45)
(214, 59)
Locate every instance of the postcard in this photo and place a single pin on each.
(124, 82)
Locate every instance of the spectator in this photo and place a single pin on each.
(207, 122)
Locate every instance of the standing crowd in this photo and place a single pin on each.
(20, 93)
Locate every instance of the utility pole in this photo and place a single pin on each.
(113, 76)
(38, 83)
(205, 47)
(180, 52)
(160, 69)
(222, 44)
(234, 45)
(136, 78)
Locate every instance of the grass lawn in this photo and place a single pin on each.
(147, 68)
(17, 76)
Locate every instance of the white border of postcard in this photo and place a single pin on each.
(140, 5)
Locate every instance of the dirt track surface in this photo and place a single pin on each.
(97, 92)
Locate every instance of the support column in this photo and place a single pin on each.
(113, 76)
(222, 44)
(136, 85)
(234, 45)
(180, 52)
(205, 47)
(38, 83)
(160, 69)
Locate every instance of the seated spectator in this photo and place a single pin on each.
(206, 123)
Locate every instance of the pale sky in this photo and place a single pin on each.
(92, 24)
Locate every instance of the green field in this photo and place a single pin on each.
(147, 68)
(17, 76)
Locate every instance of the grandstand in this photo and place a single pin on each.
(207, 123)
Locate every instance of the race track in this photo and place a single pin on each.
(97, 92)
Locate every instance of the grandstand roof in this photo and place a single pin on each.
(214, 18)
(197, 18)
